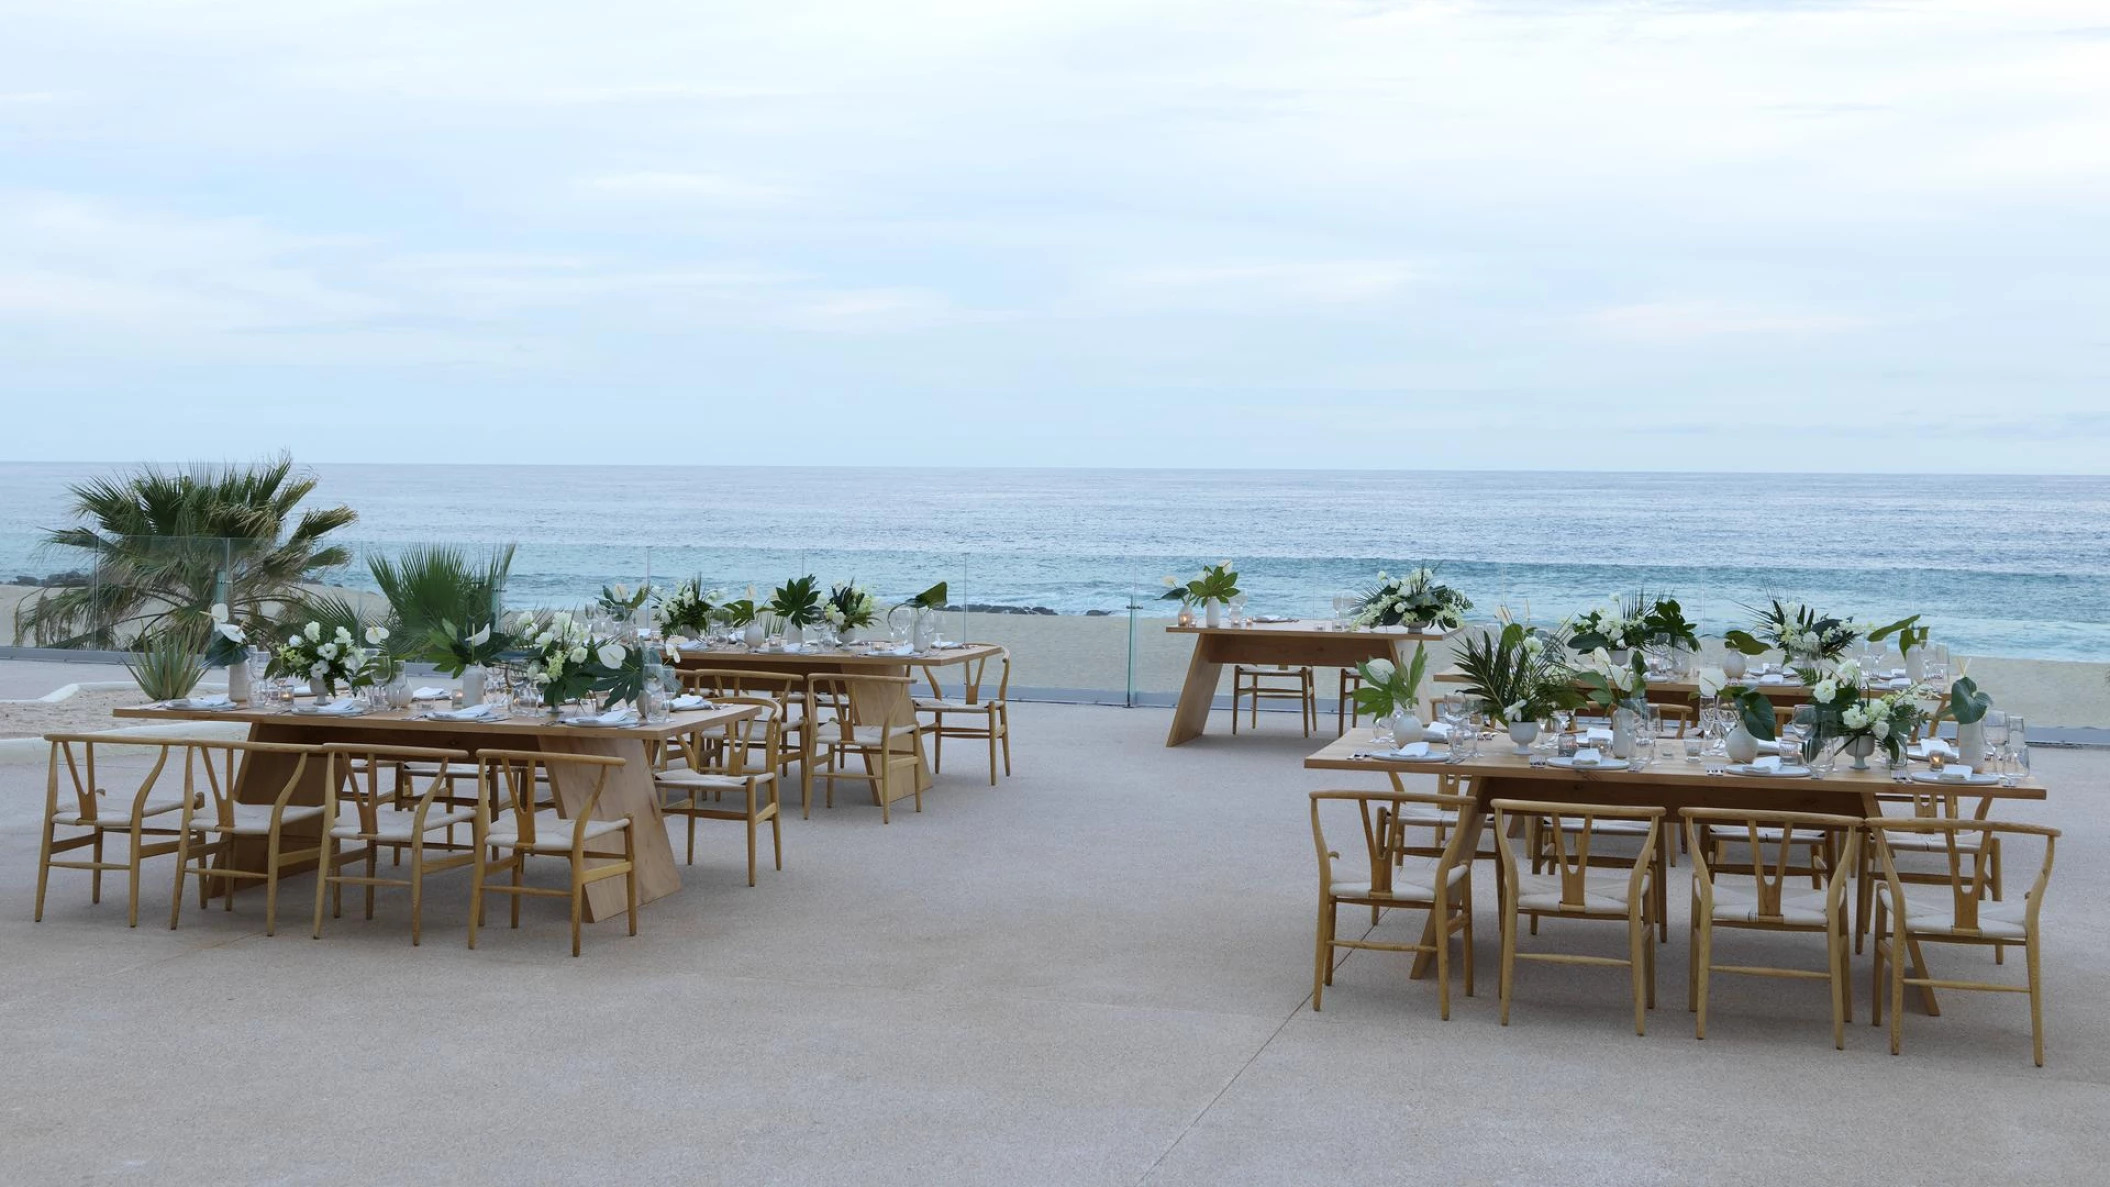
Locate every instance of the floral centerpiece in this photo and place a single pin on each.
(1217, 584)
(1517, 676)
(1613, 686)
(622, 603)
(798, 603)
(455, 649)
(1841, 711)
(1608, 628)
(1416, 600)
(689, 609)
(1389, 693)
(1801, 633)
(329, 659)
(850, 607)
(566, 661)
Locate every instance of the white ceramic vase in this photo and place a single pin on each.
(1970, 743)
(752, 635)
(238, 680)
(1915, 664)
(1622, 733)
(1621, 656)
(1733, 663)
(472, 685)
(1861, 748)
(1212, 612)
(1406, 727)
(1742, 747)
(1523, 733)
(399, 693)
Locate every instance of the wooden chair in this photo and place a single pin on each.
(993, 713)
(397, 817)
(787, 690)
(1573, 891)
(1345, 711)
(1962, 912)
(1257, 683)
(149, 819)
(1758, 898)
(1925, 802)
(1434, 884)
(856, 716)
(1539, 843)
(217, 826)
(507, 820)
(1687, 717)
(743, 761)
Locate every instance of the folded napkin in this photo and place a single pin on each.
(1936, 746)
(210, 702)
(1769, 763)
(687, 702)
(1597, 734)
(343, 708)
(621, 715)
(1955, 772)
(303, 691)
(466, 713)
(431, 692)
(1772, 678)
(1588, 756)
(1412, 750)
(1436, 731)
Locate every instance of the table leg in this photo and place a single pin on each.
(629, 793)
(1204, 670)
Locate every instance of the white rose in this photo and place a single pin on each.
(377, 635)
(577, 655)
(314, 632)
(343, 635)
(327, 651)
(1849, 673)
(1382, 671)
(1826, 690)
(612, 655)
(292, 640)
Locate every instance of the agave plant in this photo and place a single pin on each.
(168, 665)
(166, 545)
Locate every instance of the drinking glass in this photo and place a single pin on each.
(1790, 748)
(1644, 751)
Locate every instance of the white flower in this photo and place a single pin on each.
(292, 640)
(1848, 673)
(1712, 681)
(327, 651)
(314, 632)
(1382, 671)
(1224, 565)
(1514, 712)
(526, 619)
(1170, 582)
(1826, 690)
(218, 612)
(611, 655)
(545, 639)
(1855, 717)
(577, 655)
(621, 591)
(481, 637)
(555, 667)
(1533, 645)
(343, 635)
(230, 632)
(377, 635)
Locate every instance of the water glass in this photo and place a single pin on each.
(1790, 749)
(1644, 751)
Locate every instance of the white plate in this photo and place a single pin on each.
(1609, 764)
(320, 711)
(1974, 779)
(1755, 771)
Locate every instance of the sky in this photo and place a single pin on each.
(1556, 234)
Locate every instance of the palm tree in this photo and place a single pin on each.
(164, 546)
(435, 585)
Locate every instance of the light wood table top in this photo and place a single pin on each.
(845, 658)
(1497, 761)
(410, 721)
(1313, 628)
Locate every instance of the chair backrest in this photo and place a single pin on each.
(1684, 715)
(1772, 838)
(1377, 809)
(266, 772)
(350, 761)
(856, 698)
(1924, 802)
(505, 781)
(1968, 847)
(750, 746)
(1567, 841)
(717, 682)
(971, 674)
(77, 755)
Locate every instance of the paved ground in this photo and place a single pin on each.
(1095, 973)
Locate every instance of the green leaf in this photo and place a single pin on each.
(1966, 703)
(1744, 641)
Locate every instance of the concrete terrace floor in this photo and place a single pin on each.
(1097, 972)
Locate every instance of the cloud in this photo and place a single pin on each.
(1326, 282)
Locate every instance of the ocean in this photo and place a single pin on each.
(2011, 566)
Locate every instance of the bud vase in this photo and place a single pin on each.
(1406, 727)
(1212, 612)
(1740, 745)
(238, 681)
(753, 636)
(1733, 664)
(472, 685)
(1523, 733)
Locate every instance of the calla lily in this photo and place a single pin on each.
(218, 612)
(481, 637)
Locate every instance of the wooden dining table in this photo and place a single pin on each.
(629, 791)
(1684, 691)
(1297, 644)
(893, 705)
(1673, 784)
